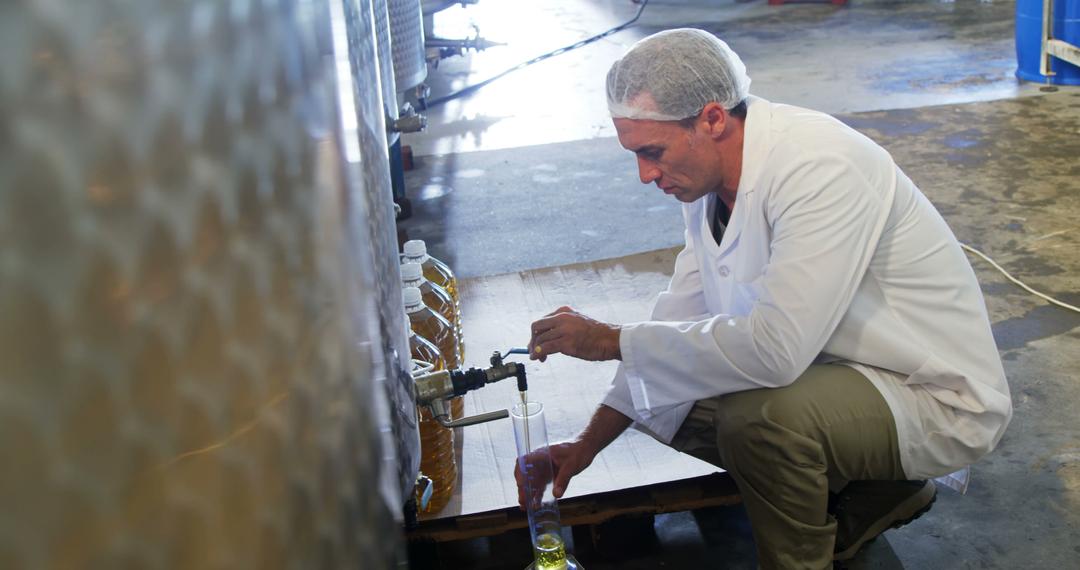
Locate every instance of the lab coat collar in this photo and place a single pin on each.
(735, 224)
(756, 144)
(755, 150)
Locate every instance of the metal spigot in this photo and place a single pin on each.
(435, 389)
(409, 120)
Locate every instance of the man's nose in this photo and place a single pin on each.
(647, 172)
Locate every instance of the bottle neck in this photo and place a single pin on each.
(412, 282)
(416, 259)
(410, 309)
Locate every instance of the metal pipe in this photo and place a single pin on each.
(472, 420)
(477, 43)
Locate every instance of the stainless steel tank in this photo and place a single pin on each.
(375, 201)
(407, 37)
(386, 67)
(196, 343)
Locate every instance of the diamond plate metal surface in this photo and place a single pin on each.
(193, 335)
(386, 67)
(375, 205)
(407, 36)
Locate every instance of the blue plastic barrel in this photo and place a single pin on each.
(1065, 26)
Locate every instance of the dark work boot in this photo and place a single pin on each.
(865, 509)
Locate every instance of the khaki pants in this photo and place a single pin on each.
(787, 448)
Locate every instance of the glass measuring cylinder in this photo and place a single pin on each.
(534, 465)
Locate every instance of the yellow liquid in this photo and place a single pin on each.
(439, 300)
(550, 552)
(525, 412)
(437, 459)
(438, 273)
(438, 331)
(424, 350)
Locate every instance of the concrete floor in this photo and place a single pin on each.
(519, 188)
(870, 55)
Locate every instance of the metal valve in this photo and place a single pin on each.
(435, 389)
(409, 120)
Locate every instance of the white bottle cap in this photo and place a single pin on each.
(411, 272)
(415, 248)
(413, 299)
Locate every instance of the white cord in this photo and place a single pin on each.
(1017, 281)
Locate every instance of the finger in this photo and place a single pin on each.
(560, 310)
(542, 343)
(541, 325)
(543, 351)
(532, 341)
(562, 479)
(537, 329)
(535, 350)
(559, 345)
(546, 338)
(520, 486)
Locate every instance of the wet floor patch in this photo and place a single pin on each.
(1039, 323)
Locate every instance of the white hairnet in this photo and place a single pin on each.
(671, 75)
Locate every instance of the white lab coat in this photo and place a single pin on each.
(831, 255)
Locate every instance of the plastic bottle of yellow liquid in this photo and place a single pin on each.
(436, 271)
(415, 251)
(436, 298)
(423, 349)
(436, 442)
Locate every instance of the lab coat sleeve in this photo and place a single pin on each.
(683, 300)
(825, 219)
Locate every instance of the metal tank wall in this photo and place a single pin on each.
(386, 67)
(407, 34)
(193, 338)
(362, 63)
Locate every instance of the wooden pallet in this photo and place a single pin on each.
(713, 490)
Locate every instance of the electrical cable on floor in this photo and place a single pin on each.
(1017, 281)
(539, 58)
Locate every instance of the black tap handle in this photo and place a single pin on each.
(470, 379)
(522, 383)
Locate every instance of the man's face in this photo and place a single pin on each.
(677, 159)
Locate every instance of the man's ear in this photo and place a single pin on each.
(715, 118)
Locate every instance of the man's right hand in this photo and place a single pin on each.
(567, 460)
(566, 331)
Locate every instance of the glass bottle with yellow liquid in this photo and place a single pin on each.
(437, 459)
(415, 251)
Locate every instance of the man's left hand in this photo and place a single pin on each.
(569, 332)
